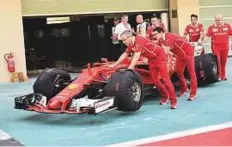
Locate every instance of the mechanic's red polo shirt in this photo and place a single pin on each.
(177, 44)
(151, 28)
(194, 31)
(154, 53)
(220, 35)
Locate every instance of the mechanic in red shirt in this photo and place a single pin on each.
(220, 33)
(142, 46)
(155, 22)
(184, 52)
(195, 31)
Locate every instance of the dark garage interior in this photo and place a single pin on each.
(72, 44)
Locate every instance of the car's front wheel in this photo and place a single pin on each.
(128, 89)
(50, 82)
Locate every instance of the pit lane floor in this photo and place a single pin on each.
(212, 107)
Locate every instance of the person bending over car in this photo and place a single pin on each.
(142, 46)
(184, 53)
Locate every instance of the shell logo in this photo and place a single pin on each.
(73, 86)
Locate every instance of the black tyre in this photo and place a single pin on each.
(128, 89)
(50, 82)
(206, 69)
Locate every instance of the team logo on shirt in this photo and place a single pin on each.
(225, 28)
(190, 30)
(215, 30)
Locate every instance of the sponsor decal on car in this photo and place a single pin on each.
(103, 105)
(43, 101)
(73, 86)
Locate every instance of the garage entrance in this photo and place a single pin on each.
(70, 42)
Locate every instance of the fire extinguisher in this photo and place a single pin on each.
(10, 62)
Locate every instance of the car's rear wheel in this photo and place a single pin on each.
(128, 89)
(206, 69)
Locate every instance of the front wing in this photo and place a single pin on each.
(38, 103)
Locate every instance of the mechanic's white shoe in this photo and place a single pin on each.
(219, 79)
(173, 106)
(192, 98)
(183, 93)
(164, 101)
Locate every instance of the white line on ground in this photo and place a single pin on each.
(175, 135)
(4, 135)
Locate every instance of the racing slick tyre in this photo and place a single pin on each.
(127, 87)
(206, 69)
(50, 82)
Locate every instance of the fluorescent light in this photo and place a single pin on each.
(56, 20)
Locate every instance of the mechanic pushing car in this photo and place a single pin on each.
(155, 22)
(219, 33)
(195, 30)
(184, 57)
(157, 63)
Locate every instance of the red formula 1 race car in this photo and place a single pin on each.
(99, 88)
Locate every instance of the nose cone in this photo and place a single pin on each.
(55, 105)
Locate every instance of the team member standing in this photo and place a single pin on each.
(142, 26)
(219, 33)
(157, 63)
(116, 46)
(195, 30)
(122, 26)
(184, 57)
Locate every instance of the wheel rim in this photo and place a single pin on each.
(215, 68)
(136, 92)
